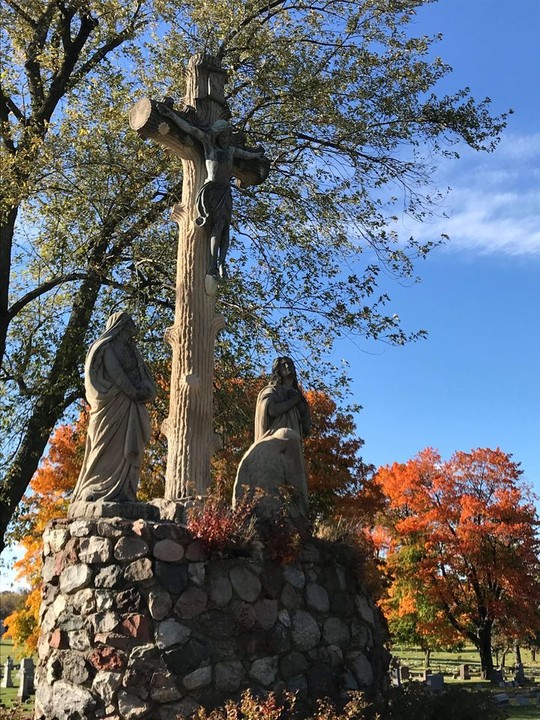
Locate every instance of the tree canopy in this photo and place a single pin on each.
(343, 97)
(462, 548)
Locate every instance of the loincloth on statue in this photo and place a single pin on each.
(214, 202)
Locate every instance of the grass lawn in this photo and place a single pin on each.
(448, 664)
(8, 696)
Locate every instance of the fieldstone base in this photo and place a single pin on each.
(138, 622)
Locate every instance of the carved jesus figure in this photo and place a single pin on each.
(214, 199)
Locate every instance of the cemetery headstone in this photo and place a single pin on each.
(435, 682)
(26, 679)
(7, 680)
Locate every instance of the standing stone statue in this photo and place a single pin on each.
(214, 198)
(273, 471)
(118, 384)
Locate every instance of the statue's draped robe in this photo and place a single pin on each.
(274, 464)
(291, 419)
(119, 427)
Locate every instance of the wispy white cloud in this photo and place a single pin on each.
(494, 205)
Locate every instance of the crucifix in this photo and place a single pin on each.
(199, 133)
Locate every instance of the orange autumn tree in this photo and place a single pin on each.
(463, 543)
(335, 469)
(50, 489)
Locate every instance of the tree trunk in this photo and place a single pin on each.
(484, 648)
(63, 377)
(427, 657)
(6, 242)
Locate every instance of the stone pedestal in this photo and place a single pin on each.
(138, 622)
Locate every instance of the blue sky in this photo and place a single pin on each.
(475, 382)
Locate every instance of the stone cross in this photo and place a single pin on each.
(198, 133)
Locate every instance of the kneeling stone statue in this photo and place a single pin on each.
(273, 470)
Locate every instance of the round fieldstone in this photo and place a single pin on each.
(360, 668)
(101, 658)
(264, 671)
(136, 626)
(139, 571)
(159, 604)
(336, 632)
(272, 580)
(111, 528)
(291, 599)
(106, 684)
(244, 615)
(129, 601)
(132, 707)
(361, 634)
(94, 550)
(278, 640)
(293, 664)
(105, 621)
(298, 685)
(183, 660)
(145, 657)
(317, 598)
(84, 601)
(108, 577)
(332, 655)
(79, 640)
(364, 609)
(64, 699)
(229, 676)
(198, 678)
(217, 624)
(220, 590)
(266, 612)
(197, 573)
(191, 603)
(246, 585)
(163, 688)
(196, 551)
(342, 603)
(295, 576)
(75, 577)
(104, 600)
(305, 630)
(82, 528)
(74, 669)
(170, 632)
(168, 551)
(174, 578)
(128, 549)
(321, 680)
(55, 540)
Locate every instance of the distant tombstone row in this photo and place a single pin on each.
(26, 677)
